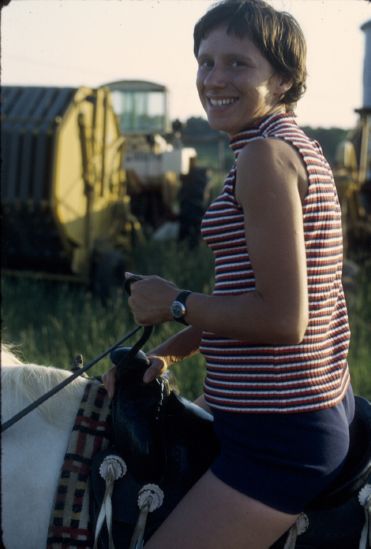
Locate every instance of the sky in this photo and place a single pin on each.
(91, 42)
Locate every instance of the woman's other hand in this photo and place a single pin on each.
(158, 366)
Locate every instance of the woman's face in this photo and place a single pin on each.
(236, 83)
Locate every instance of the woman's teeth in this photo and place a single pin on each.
(221, 102)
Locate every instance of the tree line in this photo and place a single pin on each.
(196, 132)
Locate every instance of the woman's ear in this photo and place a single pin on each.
(281, 86)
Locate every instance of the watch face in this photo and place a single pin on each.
(178, 310)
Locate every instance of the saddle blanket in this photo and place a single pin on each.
(69, 522)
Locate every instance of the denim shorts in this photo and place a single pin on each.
(283, 460)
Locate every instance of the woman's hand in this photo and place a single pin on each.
(150, 299)
(158, 366)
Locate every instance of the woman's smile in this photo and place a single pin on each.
(219, 102)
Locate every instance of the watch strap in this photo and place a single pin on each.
(182, 298)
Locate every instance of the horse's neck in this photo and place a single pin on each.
(28, 382)
(33, 452)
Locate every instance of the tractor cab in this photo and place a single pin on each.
(154, 157)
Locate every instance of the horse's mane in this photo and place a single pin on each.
(30, 381)
(8, 356)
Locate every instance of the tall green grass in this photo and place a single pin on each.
(359, 299)
(51, 322)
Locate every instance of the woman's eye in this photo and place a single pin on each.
(237, 63)
(205, 63)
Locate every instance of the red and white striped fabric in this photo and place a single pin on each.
(312, 375)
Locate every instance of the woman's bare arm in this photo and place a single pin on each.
(179, 346)
(176, 348)
(277, 311)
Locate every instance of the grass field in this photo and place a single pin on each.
(51, 322)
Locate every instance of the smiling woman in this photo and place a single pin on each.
(274, 332)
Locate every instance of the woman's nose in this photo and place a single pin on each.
(215, 77)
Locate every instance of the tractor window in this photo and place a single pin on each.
(140, 112)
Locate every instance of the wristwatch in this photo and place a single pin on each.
(178, 308)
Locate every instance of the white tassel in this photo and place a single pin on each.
(364, 498)
(112, 468)
(300, 526)
(150, 498)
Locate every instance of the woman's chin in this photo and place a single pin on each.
(217, 124)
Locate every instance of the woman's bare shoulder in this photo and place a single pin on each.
(268, 150)
(269, 163)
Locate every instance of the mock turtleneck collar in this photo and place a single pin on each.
(238, 140)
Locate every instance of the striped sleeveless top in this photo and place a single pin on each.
(313, 374)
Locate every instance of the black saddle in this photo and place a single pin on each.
(167, 440)
(163, 438)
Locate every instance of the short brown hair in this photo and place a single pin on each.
(276, 34)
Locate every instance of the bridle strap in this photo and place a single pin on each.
(146, 333)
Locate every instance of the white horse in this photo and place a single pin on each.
(33, 449)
